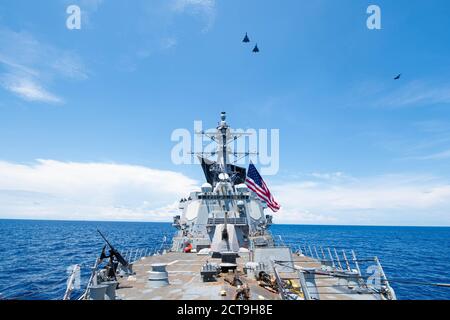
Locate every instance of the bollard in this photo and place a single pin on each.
(158, 277)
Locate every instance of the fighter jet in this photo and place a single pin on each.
(398, 77)
(246, 38)
(256, 49)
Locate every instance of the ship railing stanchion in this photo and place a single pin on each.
(136, 257)
(338, 259)
(310, 251)
(161, 248)
(346, 261)
(355, 260)
(92, 280)
(282, 241)
(323, 253)
(131, 255)
(331, 257)
(315, 251)
(381, 271)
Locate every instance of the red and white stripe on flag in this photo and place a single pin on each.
(263, 193)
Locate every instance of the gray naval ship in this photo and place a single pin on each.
(223, 250)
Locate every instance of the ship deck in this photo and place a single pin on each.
(186, 282)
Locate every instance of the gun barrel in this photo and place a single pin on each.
(106, 240)
(114, 251)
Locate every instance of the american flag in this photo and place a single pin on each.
(257, 185)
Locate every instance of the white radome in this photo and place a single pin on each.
(206, 187)
(241, 188)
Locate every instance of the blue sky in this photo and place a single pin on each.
(99, 104)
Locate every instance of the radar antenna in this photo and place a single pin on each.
(223, 136)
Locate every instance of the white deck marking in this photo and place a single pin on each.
(173, 262)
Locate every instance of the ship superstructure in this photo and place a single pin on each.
(223, 249)
(225, 215)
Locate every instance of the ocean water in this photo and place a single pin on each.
(35, 255)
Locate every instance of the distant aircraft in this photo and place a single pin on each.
(398, 77)
(256, 49)
(246, 38)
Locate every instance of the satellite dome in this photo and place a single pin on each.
(241, 188)
(206, 187)
(224, 177)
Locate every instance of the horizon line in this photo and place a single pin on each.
(279, 224)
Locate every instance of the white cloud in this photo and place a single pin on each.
(435, 156)
(329, 176)
(168, 43)
(398, 94)
(203, 8)
(51, 189)
(29, 66)
(48, 189)
(416, 93)
(384, 200)
(69, 65)
(432, 145)
(27, 89)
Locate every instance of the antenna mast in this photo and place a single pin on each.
(223, 154)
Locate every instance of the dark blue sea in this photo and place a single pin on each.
(35, 255)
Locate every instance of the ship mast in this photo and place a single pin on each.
(222, 136)
(222, 152)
